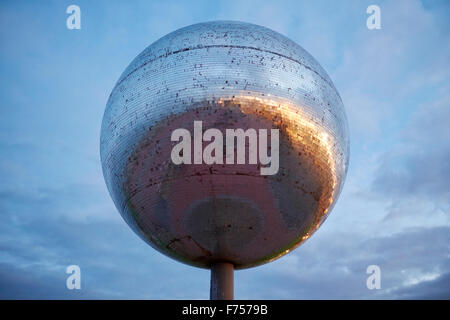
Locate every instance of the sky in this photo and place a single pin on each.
(394, 211)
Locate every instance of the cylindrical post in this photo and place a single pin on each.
(222, 281)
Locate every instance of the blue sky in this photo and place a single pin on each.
(55, 209)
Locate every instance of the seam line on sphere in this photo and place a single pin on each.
(222, 46)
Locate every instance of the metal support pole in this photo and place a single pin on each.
(222, 281)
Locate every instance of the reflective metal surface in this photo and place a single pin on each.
(229, 75)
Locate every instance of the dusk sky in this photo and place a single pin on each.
(394, 210)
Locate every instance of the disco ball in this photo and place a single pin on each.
(228, 75)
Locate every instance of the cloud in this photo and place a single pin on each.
(382, 70)
(434, 289)
(43, 233)
(334, 266)
(418, 163)
(394, 209)
(412, 176)
(32, 283)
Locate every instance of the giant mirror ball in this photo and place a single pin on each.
(226, 74)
